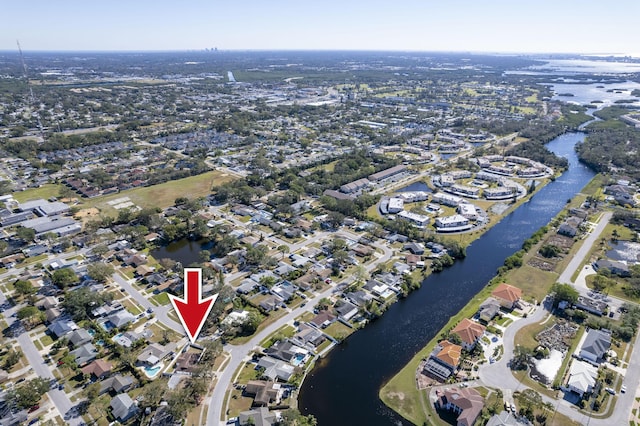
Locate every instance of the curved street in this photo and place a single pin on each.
(498, 375)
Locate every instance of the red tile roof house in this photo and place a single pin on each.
(507, 295)
(469, 332)
(466, 402)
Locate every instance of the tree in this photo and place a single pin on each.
(205, 255)
(26, 234)
(520, 358)
(92, 391)
(152, 393)
(293, 417)
(100, 271)
(11, 359)
(323, 304)
(564, 292)
(64, 277)
(529, 400)
(284, 248)
(30, 392)
(24, 287)
(79, 303)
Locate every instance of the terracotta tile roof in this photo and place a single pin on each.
(469, 331)
(449, 353)
(507, 292)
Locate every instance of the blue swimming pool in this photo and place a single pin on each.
(297, 359)
(152, 371)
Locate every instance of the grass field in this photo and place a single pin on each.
(46, 191)
(162, 195)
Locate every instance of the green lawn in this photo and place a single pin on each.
(46, 191)
(164, 194)
(338, 330)
(286, 331)
(534, 283)
(161, 298)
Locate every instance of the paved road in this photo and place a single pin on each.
(161, 312)
(238, 354)
(59, 398)
(499, 375)
(582, 252)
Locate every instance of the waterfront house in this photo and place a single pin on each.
(275, 369)
(443, 361)
(507, 295)
(467, 403)
(263, 392)
(260, 416)
(469, 332)
(323, 319)
(489, 309)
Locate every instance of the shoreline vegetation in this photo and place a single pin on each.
(400, 393)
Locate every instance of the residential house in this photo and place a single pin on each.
(309, 336)
(595, 346)
(52, 314)
(507, 295)
(117, 383)
(247, 286)
(187, 362)
(616, 267)
(582, 377)
(62, 327)
(504, 418)
(323, 319)
(570, 227)
(346, 311)
(444, 360)
(489, 309)
(284, 290)
(359, 297)
(270, 303)
(120, 318)
(123, 408)
(84, 354)
(286, 350)
(263, 392)
(469, 332)
(260, 416)
(275, 369)
(98, 368)
(596, 307)
(80, 337)
(155, 352)
(466, 402)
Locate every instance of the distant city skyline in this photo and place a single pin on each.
(505, 26)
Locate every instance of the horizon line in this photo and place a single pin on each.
(251, 50)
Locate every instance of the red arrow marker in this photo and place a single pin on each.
(192, 310)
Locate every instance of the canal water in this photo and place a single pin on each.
(343, 387)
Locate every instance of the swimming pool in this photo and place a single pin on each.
(297, 359)
(152, 371)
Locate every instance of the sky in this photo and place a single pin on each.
(510, 26)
